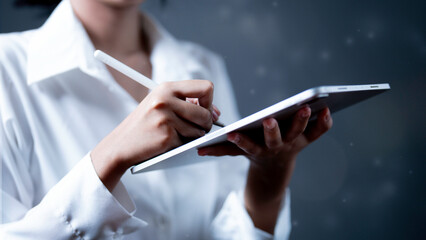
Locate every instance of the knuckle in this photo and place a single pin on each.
(275, 145)
(163, 122)
(159, 103)
(253, 151)
(257, 152)
(300, 129)
(168, 137)
(288, 140)
(162, 88)
(330, 123)
(166, 86)
(205, 119)
(299, 132)
(206, 116)
(276, 151)
(209, 86)
(196, 133)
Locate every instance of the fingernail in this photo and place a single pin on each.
(269, 124)
(202, 152)
(215, 116)
(216, 110)
(326, 117)
(234, 138)
(305, 113)
(193, 100)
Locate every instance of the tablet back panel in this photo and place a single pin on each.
(334, 97)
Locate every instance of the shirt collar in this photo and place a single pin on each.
(59, 46)
(62, 44)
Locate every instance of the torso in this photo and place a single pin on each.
(60, 120)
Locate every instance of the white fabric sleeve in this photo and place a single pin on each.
(233, 221)
(79, 206)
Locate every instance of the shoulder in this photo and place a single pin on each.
(13, 69)
(14, 89)
(13, 50)
(14, 45)
(13, 55)
(203, 55)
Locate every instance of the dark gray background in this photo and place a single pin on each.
(365, 178)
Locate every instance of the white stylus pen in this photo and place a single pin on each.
(124, 69)
(131, 73)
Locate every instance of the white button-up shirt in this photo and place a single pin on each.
(57, 102)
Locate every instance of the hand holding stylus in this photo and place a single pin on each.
(145, 81)
(157, 125)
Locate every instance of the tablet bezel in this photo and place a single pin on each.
(334, 97)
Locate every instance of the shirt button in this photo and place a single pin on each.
(116, 236)
(162, 222)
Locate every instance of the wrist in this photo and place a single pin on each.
(265, 191)
(108, 165)
(273, 170)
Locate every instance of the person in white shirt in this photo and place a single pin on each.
(71, 127)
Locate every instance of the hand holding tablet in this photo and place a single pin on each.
(333, 97)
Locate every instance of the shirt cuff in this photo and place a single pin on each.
(234, 222)
(86, 206)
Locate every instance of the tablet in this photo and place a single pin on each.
(333, 97)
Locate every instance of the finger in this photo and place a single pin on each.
(299, 123)
(186, 129)
(216, 109)
(193, 100)
(226, 149)
(193, 113)
(201, 89)
(215, 112)
(272, 133)
(245, 144)
(323, 123)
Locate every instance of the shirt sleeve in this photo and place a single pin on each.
(233, 221)
(79, 206)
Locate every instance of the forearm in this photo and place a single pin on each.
(107, 163)
(264, 192)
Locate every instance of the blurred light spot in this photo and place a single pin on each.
(377, 162)
(351, 144)
(410, 172)
(225, 12)
(349, 41)
(388, 189)
(331, 221)
(248, 24)
(252, 91)
(262, 29)
(371, 35)
(260, 71)
(383, 192)
(325, 55)
(275, 4)
(347, 197)
(295, 223)
(297, 55)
